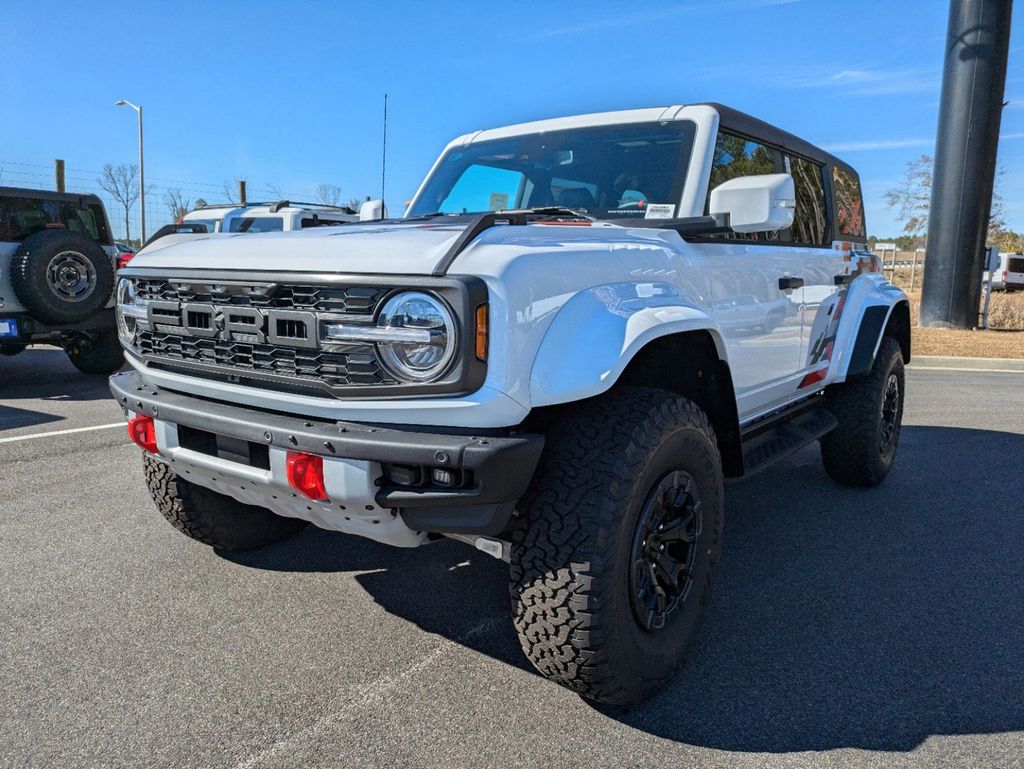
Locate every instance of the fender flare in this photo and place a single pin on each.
(883, 308)
(598, 331)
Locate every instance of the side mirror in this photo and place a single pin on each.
(756, 203)
(372, 211)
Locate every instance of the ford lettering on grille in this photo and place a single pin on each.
(252, 325)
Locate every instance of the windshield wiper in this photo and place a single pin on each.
(552, 211)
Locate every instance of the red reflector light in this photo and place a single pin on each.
(142, 431)
(813, 378)
(306, 475)
(123, 259)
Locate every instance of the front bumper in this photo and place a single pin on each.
(366, 466)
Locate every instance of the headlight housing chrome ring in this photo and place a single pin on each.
(130, 310)
(426, 336)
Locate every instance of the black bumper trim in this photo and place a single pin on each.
(501, 466)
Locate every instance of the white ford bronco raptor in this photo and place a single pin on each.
(578, 330)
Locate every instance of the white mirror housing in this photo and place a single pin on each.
(372, 210)
(763, 203)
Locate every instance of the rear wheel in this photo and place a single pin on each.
(98, 354)
(614, 553)
(211, 518)
(861, 450)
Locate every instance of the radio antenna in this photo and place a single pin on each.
(384, 157)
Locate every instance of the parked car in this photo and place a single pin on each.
(542, 360)
(280, 216)
(57, 263)
(125, 253)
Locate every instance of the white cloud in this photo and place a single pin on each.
(873, 82)
(877, 144)
(896, 144)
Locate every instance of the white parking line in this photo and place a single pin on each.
(61, 432)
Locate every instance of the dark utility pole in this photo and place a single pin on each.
(973, 78)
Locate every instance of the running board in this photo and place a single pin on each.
(765, 445)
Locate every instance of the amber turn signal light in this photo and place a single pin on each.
(481, 332)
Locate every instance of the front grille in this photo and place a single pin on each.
(357, 365)
(352, 300)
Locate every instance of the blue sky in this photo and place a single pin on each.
(290, 94)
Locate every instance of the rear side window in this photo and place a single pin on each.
(210, 224)
(810, 220)
(256, 224)
(24, 216)
(737, 156)
(1015, 264)
(849, 204)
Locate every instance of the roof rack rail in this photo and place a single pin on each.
(277, 205)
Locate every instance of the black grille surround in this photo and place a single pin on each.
(264, 330)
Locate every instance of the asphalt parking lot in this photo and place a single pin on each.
(849, 627)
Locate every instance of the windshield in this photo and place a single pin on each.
(256, 224)
(608, 172)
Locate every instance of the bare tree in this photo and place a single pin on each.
(912, 197)
(121, 182)
(177, 203)
(355, 203)
(231, 189)
(275, 191)
(328, 194)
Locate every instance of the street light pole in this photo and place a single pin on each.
(142, 167)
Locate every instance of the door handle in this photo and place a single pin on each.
(787, 284)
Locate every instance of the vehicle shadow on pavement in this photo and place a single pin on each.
(46, 372)
(43, 373)
(843, 618)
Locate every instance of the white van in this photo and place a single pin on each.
(1009, 275)
(282, 216)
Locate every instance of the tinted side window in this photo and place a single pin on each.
(810, 220)
(21, 217)
(849, 204)
(736, 156)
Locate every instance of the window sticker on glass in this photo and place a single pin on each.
(660, 211)
(499, 201)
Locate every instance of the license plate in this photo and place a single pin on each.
(8, 327)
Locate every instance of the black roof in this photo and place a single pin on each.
(755, 128)
(68, 197)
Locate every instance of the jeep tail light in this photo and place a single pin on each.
(142, 431)
(481, 332)
(306, 475)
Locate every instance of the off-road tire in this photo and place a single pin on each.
(572, 543)
(853, 453)
(30, 279)
(12, 349)
(99, 354)
(211, 518)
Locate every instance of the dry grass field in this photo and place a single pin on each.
(1005, 339)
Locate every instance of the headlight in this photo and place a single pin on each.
(130, 310)
(420, 336)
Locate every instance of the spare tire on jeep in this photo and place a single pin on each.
(61, 276)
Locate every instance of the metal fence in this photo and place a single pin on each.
(35, 175)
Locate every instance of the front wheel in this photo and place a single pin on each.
(614, 552)
(211, 518)
(861, 450)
